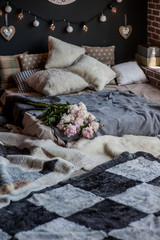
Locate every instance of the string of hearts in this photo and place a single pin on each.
(125, 30)
(8, 31)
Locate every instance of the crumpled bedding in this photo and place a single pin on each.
(120, 113)
(16, 105)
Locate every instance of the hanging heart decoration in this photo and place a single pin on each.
(8, 32)
(125, 31)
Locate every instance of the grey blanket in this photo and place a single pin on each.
(121, 112)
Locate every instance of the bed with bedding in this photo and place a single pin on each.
(118, 195)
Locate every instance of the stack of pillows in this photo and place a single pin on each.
(68, 68)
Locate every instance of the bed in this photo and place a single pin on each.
(110, 184)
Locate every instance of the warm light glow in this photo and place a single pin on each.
(114, 10)
(20, 16)
(69, 28)
(85, 28)
(52, 27)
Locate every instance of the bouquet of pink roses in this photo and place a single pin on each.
(78, 120)
(72, 119)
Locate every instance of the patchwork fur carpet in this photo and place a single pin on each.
(37, 164)
(116, 200)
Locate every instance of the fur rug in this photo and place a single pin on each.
(84, 153)
(20, 174)
(104, 148)
(46, 163)
(116, 200)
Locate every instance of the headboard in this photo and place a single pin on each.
(34, 39)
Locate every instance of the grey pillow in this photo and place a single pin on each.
(129, 72)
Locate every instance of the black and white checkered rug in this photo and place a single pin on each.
(117, 200)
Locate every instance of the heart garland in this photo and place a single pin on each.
(126, 30)
(7, 31)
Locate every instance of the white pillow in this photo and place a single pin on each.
(53, 82)
(62, 54)
(128, 73)
(95, 73)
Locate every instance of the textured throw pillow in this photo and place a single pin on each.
(128, 73)
(53, 82)
(94, 72)
(20, 79)
(8, 66)
(105, 55)
(62, 54)
(32, 61)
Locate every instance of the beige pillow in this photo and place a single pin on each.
(105, 55)
(53, 82)
(8, 66)
(94, 72)
(62, 54)
(32, 61)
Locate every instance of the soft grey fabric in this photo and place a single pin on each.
(121, 112)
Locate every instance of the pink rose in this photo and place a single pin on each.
(67, 118)
(91, 117)
(94, 125)
(82, 114)
(78, 122)
(78, 119)
(70, 130)
(73, 109)
(87, 132)
(82, 106)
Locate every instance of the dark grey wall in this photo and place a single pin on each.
(34, 39)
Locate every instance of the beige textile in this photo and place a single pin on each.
(95, 73)
(105, 55)
(52, 82)
(62, 54)
(8, 66)
(32, 61)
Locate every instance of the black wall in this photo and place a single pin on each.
(34, 39)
